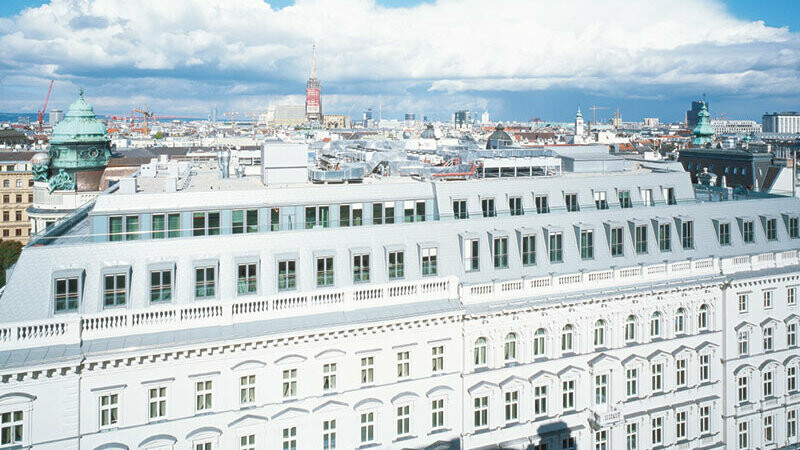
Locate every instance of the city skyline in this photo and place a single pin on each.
(183, 58)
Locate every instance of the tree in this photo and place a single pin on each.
(159, 135)
(9, 253)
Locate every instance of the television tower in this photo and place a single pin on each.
(313, 88)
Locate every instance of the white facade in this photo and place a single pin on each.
(747, 127)
(781, 123)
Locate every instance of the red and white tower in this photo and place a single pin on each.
(313, 88)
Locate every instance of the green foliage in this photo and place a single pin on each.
(9, 253)
(159, 135)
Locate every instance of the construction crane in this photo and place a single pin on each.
(233, 122)
(146, 115)
(40, 113)
(594, 112)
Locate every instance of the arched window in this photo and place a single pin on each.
(600, 333)
(480, 352)
(655, 324)
(510, 349)
(19, 183)
(702, 318)
(630, 329)
(538, 342)
(680, 320)
(6, 183)
(566, 338)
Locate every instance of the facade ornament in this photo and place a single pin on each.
(61, 182)
(40, 172)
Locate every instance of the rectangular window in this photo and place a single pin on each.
(329, 377)
(471, 255)
(275, 219)
(247, 390)
(157, 402)
(437, 413)
(515, 206)
(724, 234)
(705, 419)
(66, 294)
(791, 335)
(289, 383)
(632, 436)
(742, 386)
(744, 440)
(600, 200)
(131, 228)
(657, 427)
(687, 234)
(748, 234)
(351, 215)
(205, 223)
(794, 228)
(641, 239)
(647, 197)
(487, 207)
(114, 227)
(247, 442)
(158, 226)
(791, 378)
(205, 282)
(680, 372)
(631, 382)
(512, 406)
(437, 358)
(290, 438)
(287, 275)
(767, 299)
(528, 249)
(625, 199)
(664, 243)
(587, 244)
(657, 377)
(344, 215)
(542, 205)
(115, 289)
(568, 394)
(571, 201)
(403, 420)
(791, 425)
(771, 229)
(500, 252)
(396, 267)
(166, 225)
(367, 427)
(109, 410)
(769, 436)
(317, 216)
(539, 400)
(203, 394)
(768, 335)
(680, 425)
(247, 279)
(244, 221)
(460, 209)
(669, 196)
(742, 338)
(791, 296)
(556, 255)
(767, 384)
(382, 213)
(600, 389)
(325, 271)
(161, 286)
(481, 412)
(617, 243)
(743, 301)
(328, 435)
(403, 364)
(429, 261)
(360, 268)
(705, 367)
(601, 440)
(367, 370)
(420, 216)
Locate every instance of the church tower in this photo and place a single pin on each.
(579, 123)
(313, 88)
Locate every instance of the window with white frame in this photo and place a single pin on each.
(244, 220)
(687, 234)
(487, 207)
(66, 294)
(383, 213)
(705, 419)
(702, 318)
(515, 206)
(12, 428)
(664, 242)
(360, 268)
(768, 332)
(791, 296)
(791, 334)
(460, 209)
(748, 232)
(205, 282)
(481, 412)
(437, 413)
(540, 400)
(601, 389)
(472, 261)
(325, 271)
(367, 427)
(630, 328)
(289, 438)
(437, 358)
(767, 378)
(511, 406)
(157, 402)
(600, 201)
(396, 266)
(115, 289)
(542, 204)
(289, 383)
(317, 216)
(705, 367)
(641, 239)
(657, 377)
(680, 321)
(567, 334)
(528, 249)
(203, 394)
(617, 242)
(587, 244)
(791, 378)
(510, 347)
(680, 372)
(247, 442)
(329, 377)
(403, 364)
(367, 370)
(429, 261)
(655, 325)
(205, 223)
(247, 279)
(599, 333)
(571, 200)
(657, 430)
(680, 425)
(743, 302)
(791, 424)
(724, 233)
(161, 286)
(403, 420)
(632, 436)
(109, 410)
(601, 440)
(768, 299)
(769, 435)
(202, 445)
(568, 394)
(479, 352)
(287, 274)
(743, 340)
(744, 439)
(631, 382)
(556, 252)
(500, 252)
(742, 388)
(539, 342)
(771, 229)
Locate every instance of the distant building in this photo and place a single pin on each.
(651, 122)
(691, 115)
(721, 126)
(740, 168)
(499, 139)
(313, 90)
(16, 180)
(783, 122)
(485, 118)
(11, 138)
(411, 117)
(56, 115)
(335, 121)
(366, 118)
(579, 130)
(461, 119)
(289, 115)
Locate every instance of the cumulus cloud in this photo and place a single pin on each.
(184, 53)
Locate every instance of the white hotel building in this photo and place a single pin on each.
(542, 301)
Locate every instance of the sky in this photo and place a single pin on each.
(517, 59)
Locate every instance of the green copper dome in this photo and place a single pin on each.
(703, 133)
(80, 124)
